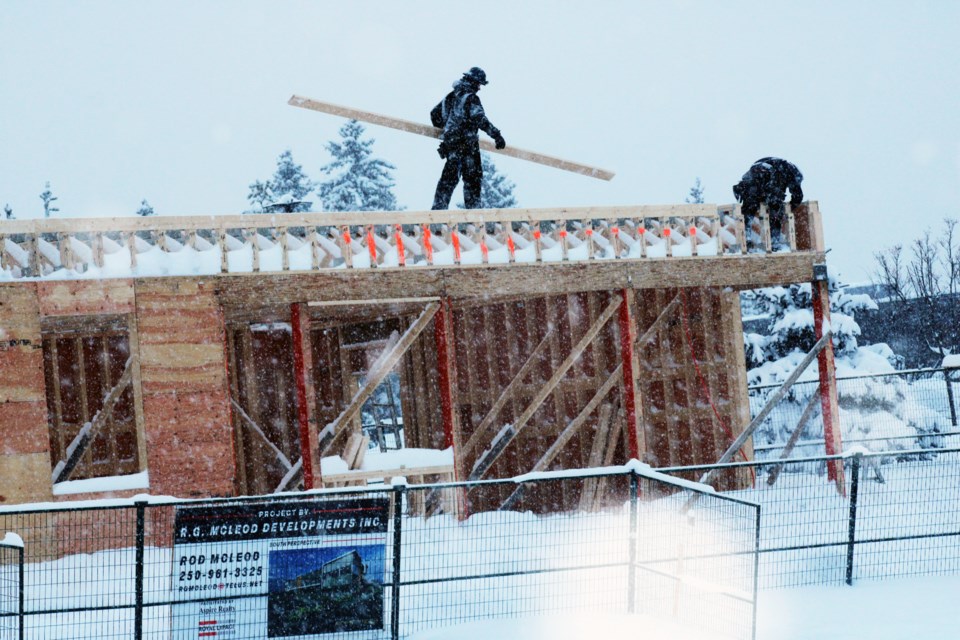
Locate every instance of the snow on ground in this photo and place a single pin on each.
(887, 610)
(894, 609)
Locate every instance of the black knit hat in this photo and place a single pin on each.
(476, 74)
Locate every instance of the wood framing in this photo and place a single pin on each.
(242, 380)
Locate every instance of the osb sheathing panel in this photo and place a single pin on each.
(25, 478)
(86, 297)
(689, 372)
(186, 406)
(25, 444)
(181, 336)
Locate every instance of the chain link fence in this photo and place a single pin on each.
(390, 561)
(897, 514)
(915, 409)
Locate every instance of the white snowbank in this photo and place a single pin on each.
(567, 627)
(96, 485)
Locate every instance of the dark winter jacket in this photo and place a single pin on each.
(461, 115)
(767, 181)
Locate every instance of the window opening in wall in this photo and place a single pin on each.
(382, 416)
(91, 409)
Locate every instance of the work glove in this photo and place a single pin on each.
(442, 150)
(500, 142)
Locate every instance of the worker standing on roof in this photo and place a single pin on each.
(460, 115)
(766, 182)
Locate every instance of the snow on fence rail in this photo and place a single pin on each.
(312, 241)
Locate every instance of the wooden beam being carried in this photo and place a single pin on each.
(433, 132)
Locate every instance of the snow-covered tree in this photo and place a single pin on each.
(289, 180)
(48, 200)
(145, 208)
(496, 190)
(289, 184)
(696, 193)
(869, 407)
(362, 182)
(260, 196)
(8, 211)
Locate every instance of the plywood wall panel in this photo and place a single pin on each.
(24, 452)
(86, 297)
(187, 420)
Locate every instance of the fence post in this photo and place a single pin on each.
(953, 408)
(398, 493)
(632, 568)
(138, 587)
(20, 595)
(852, 523)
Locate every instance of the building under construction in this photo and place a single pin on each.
(229, 355)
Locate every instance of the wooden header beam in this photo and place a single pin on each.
(433, 132)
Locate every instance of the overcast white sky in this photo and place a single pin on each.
(185, 103)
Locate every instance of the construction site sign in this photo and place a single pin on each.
(304, 568)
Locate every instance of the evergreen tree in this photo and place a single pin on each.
(868, 406)
(145, 209)
(496, 190)
(48, 200)
(289, 184)
(362, 183)
(8, 211)
(260, 196)
(696, 193)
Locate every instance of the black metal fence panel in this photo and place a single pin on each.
(386, 562)
(898, 514)
(903, 410)
(11, 588)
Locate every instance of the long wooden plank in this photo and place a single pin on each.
(432, 132)
(480, 432)
(569, 431)
(253, 426)
(575, 424)
(578, 422)
(387, 474)
(597, 451)
(78, 447)
(550, 385)
(771, 403)
(794, 437)
(384, 366)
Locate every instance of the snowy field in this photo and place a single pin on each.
(892, 609)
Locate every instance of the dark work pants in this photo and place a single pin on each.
(462, 162)
(775, 210)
